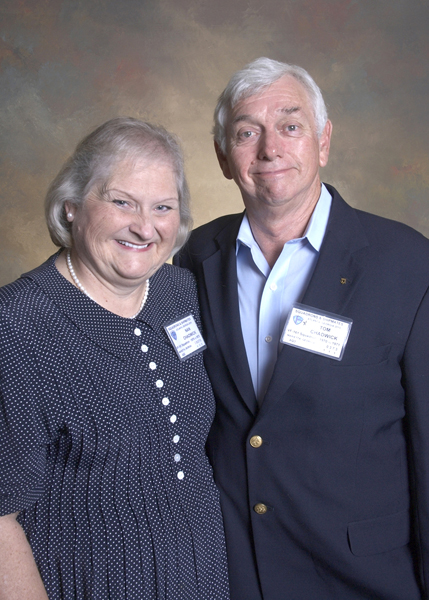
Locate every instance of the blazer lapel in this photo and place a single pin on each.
(334, 280)
(220, 273)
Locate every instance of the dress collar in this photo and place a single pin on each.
(112, 332)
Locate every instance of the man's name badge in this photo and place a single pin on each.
(316, 331)
(185, 337)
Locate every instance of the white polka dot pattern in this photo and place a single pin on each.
(102, 435)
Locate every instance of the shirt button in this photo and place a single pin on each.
(260, 508)
(159, 383)
(176, 439)
(180, 475)
(256, 441)
(173, 418)
(137, 331)
(177, 458)
(152, 366)
(268, 339)
(144, 348)
(165, 401)
(273, 287)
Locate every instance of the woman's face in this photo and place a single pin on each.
(125, 234)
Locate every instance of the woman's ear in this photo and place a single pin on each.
(69, 208)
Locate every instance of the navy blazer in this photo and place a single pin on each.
(343, 467)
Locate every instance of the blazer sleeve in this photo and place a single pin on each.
(415, 370)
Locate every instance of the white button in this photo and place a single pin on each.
(173, 418)
(177, 458)
(152, 366)
(159, 383)
(273, 287)
(165, 401)
(137, 331)
(268, 339)
(176, 439)
(144, 348)
(180, 475)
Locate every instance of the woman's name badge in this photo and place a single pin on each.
(185, 337)
(316, 331)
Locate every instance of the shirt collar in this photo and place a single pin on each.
(314, 233)
(316, 227)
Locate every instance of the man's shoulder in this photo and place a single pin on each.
(379, 230)
(208, 239)
(393, 239)
(213, 228)
(378, 244)
(389, 227)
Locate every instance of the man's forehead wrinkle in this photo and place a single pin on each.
(286, 110)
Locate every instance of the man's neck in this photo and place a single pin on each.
(273, 227)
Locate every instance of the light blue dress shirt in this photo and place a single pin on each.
(266, 295)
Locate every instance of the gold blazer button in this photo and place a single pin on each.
(256, 441)
(260, 508)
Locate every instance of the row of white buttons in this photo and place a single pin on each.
(165, 401)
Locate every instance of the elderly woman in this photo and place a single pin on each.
(105, 487)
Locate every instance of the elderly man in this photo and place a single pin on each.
(316, 318)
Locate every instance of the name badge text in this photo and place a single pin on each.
(185, 337)
(316, 331)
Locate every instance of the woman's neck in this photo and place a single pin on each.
(125, 303)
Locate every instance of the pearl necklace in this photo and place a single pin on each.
(82, 289)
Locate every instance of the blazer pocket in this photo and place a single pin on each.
(366, 356)
(374, 536)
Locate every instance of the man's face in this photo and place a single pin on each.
(273, 151)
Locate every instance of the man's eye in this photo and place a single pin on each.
(246, 134)
(292, 128)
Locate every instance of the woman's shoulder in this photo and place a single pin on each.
(17, 292)
(178, 276)
(11, 290)
(175, 288)
(26, 292)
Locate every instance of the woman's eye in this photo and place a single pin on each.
(120, 202)
(163, 208)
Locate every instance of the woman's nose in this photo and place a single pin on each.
(143, 226)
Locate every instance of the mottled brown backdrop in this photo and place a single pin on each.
(69, 65)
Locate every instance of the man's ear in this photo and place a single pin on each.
(223, 161)
(324, 144)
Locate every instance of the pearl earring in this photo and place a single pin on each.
(69, 215)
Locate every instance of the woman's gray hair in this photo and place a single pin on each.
(123, 138)
(255, 76)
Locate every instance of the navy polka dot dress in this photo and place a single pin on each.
(102, 434)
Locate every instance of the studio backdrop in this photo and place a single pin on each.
(66, 66)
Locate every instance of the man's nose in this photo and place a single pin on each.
(269, 146)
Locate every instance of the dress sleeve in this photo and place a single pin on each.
(24, 419)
